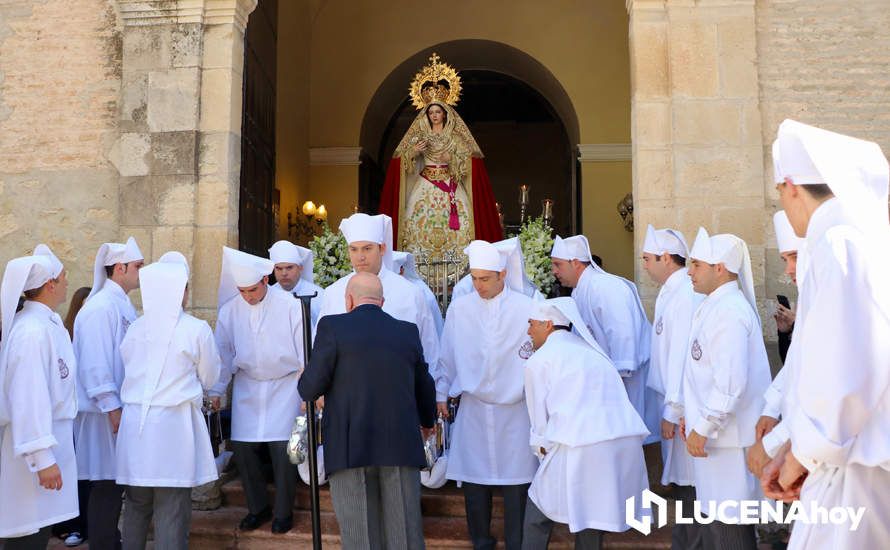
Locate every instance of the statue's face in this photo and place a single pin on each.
(436, 115)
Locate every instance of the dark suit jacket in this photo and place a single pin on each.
(377, 391)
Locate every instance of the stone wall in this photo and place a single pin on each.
(60, 76)
(824, 63)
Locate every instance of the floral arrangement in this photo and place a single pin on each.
(536, 242)
(331, 257)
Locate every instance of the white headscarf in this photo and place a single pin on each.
(574, 248)
(374, 229)
(286, 252)
(515, 263)
(786, 239)
(110, 254)
(856, 170)
(564, 311)
(162, 285)
(21, 274)
(405, 260)
(486, 256)
(659, 241)
(730, 251)
(240, 270)
(174, 257)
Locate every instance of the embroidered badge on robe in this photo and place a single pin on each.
(63, 369)
(696, 350)
(526, 350)
(659, 327)
(125, 323)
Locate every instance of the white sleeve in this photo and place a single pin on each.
(729, 347)
(209, 363)
(94, 336)
(773, 396)
(446, 370)
(678, 351)
(226, 349)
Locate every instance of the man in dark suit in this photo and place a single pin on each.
(378, 394)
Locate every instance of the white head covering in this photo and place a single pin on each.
(659, 241)
(730, 251)
(856, 170)
(21, 274)
(484, 255)
(162, 285)
(110, 254)
(515, 263)
(787, 240)
(286, 252)
(55, 264)
(375, 229)
(778, 176)
(434, 478)
(303, 468)
(574, 248)
(174, 257)
(564, 311)
(239, 270)
(405, 260)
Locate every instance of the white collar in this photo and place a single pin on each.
(676, 279)
(722, 290)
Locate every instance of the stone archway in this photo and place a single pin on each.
(488, 67)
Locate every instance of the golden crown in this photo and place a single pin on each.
(436, 81)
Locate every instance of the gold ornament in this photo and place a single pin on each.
(436, 81)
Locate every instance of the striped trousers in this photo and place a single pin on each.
(378, 508)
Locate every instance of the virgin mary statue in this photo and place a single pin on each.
(437, 190)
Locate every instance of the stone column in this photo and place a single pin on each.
(178, 153)
(695, 122)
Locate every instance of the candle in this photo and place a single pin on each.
(547, 209)
(309, 208)
(322, 213)
(523, 194)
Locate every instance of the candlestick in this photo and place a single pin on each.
(547, 210)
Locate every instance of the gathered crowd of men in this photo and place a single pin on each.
(554, 398)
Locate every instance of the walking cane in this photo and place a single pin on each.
(313, 433)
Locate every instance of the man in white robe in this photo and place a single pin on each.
(163, 446)
(370, 250)
(38, 403)
(99, 329)
(293, 273)
(614, 314)
(725, 377)
(838, 392)
(482, 360)
(584, 429)
(664, 259)
(259, 333)
(515, 263)
(403, 264)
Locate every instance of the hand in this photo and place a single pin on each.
(115, 418)
(420, 146)
(792, 474)
(784, 318)
(215, 403)
(319, 406)
(668, 429)
(426, 433)
(764, 426)
(51, 477)
(769, 478)
(682, 428)
(757, 458)
(442, 409)
(695, 444)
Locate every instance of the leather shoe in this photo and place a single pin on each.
(282, 525)
(252, 521)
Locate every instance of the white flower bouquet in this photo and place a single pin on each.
(537, 242)
(331, 257)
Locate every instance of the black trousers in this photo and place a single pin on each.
(687, 536)
(103, 514)
(35, 541)
(78, 524)
(724, 536)
(250, 467)
(477, 499)
(537, 529)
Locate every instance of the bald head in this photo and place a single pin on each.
(363, 288)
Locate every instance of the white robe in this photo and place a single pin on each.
(306, 288)
(483, 353)
(725, 377)
(99, 329)
(432, 303)
(611, 309)
(402, 300)
(173, 448)
(674, 308)
(261, 346)
(39, 402)
(593, 437)
(840, 381)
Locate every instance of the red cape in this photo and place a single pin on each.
(485, 214)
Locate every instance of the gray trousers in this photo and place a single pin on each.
(378, 508)
(686, 536)
(34, 541)
(250, 468)
(171, 509)
(537, 528)
(723, 536)
(103, 514)
(477, 499)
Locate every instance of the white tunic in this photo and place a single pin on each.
(305, 288)
(39, 403)
(173, 448)
(99, 329)
(402, 300)
(432, 303)
(674, 308)
(483, 353)
(612, 311)
(262, 347)
(840, 380)
(591, 433)
(726, 375)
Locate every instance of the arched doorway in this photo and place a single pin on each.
(519, 114)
